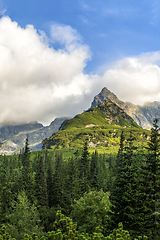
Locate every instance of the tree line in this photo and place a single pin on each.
(97, 191)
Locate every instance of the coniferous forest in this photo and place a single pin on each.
(44, 195)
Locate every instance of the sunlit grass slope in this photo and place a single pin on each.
(100, 125)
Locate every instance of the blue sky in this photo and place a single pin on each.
(98, 43)
(113, 29)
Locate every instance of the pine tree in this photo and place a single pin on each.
(58, 190)
(40, 182)
(26, 166)
(103, 174)
(94, 170)
(150, 185)
(84, 169)
(5, 193)
(27, 173)
(125, 193)
(72, 180)
(50, 183)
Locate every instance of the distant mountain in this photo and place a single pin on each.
(101, 125)
(14, 136)
(106, 112)
(142, 115)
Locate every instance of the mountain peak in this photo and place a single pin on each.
(104, 95)
(142, 115)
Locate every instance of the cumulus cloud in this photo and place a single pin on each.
(38, 82)
(135, 79)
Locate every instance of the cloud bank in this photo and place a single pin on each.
(39, 82)
(135, 79)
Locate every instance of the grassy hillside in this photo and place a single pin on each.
(101, 125)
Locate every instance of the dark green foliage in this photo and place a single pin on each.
(5, 193)
(50, 183)
(125, 193)
(64, 226)
(58, 193)
(41, 182)
(91, 211)
(24, 218)
(65, 229)
(4, 235)
(94, 172)
(150, 184)
(72, 183)
(119, 233)
(84, 169)
(27, 173)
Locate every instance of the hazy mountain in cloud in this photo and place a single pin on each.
(143, 115)
(14, 136)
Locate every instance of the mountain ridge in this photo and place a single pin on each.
(101, 125)
(13, 135)
(142, 115)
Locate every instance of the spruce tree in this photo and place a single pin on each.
(27, 173)
(50, 183)
(72, 180)
(94, 170)
(84, 169)
(40, 183)
(26, 166)
(150, 185)
(125, 193)
(58, 188)
(5, 193)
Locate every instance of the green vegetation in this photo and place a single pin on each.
(77, 192)
(101, 126)
(92, 211)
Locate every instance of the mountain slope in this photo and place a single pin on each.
(14, 136)
(104, 114)
(101, 125)
(142, 115)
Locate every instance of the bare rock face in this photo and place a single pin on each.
(104, 95)
(142, 115)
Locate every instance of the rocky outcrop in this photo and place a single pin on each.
(142, 115)
(104, 95)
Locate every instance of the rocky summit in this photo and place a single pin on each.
(142, 115)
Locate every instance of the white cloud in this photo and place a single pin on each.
(64, 34)
(135, 79)
(40, 83)
(35, 77)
